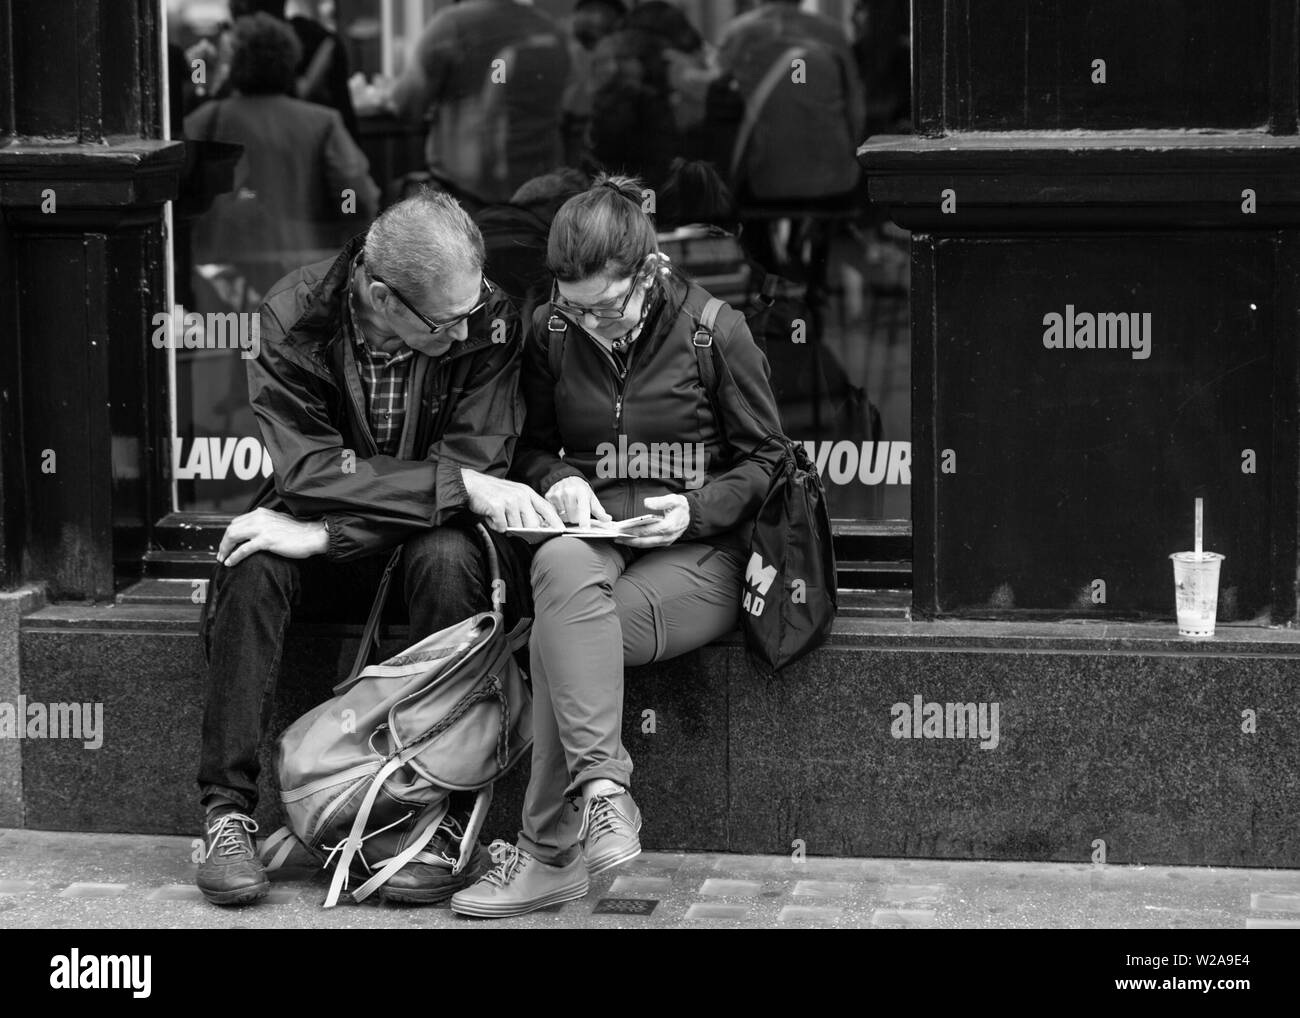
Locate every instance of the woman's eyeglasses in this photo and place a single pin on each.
(606, 313)
(485, 295)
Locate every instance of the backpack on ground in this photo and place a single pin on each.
(789, 597)
(366, 777)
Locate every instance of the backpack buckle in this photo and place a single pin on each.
(708, 337)
(556, 324)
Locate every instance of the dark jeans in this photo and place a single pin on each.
(442, 573)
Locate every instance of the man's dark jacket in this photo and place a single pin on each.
(463, 410)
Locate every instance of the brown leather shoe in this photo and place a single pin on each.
(428, 878)
(230, 873)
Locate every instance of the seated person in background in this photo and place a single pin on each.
(514, 233)
(390, 409)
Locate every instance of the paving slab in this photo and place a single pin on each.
(58, 880)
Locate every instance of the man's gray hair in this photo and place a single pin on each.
(420, 243)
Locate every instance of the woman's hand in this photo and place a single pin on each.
(576, 503)
(661, 532)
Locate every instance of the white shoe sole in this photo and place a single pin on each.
(507, 909)
(601, 865)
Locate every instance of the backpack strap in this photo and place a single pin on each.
(370, 634)
(315, 74)
(757, 100)
(557, 331)
(702, 340)
(276, 849)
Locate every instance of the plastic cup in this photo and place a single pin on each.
(1196, 591)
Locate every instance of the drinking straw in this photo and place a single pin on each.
(1198, 528)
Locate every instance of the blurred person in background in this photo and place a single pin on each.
(302, 184)
(514, 234)
(804, 118)
(320, 75)
(633, 128)
(592, 20)
(488, 77)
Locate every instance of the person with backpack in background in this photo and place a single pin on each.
(488, 78)
(705, 99)
(611, 367)
(805, 113)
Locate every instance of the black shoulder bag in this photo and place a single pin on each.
(789, 598)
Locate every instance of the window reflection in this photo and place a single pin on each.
(304, 119)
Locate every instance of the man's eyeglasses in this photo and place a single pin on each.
(606, 313)
(485, 295)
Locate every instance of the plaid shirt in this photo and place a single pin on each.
(384, 377)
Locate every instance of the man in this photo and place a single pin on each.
(489, 76)
(385, 390)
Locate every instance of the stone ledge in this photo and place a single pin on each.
(1083, 636)
(1128, 743)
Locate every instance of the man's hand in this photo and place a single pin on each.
(658, 533)
(507, 503)
(268, 530)
(576, 502)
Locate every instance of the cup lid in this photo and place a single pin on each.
(1190, 556)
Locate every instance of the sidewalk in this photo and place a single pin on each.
(51, 879)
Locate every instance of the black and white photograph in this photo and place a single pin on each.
(650, 465)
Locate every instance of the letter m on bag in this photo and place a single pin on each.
(759, 576)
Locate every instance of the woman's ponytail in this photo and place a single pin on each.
(604, 230)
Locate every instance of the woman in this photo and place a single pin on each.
(625, 403)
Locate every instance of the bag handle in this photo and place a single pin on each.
(370, 634)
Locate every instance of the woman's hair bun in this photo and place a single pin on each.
(628, 187)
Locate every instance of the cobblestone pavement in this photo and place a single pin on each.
(52, 879)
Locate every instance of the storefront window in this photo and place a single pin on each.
(693, 87)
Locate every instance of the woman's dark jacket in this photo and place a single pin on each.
(661, 399)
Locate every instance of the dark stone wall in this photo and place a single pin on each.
(1123, 737)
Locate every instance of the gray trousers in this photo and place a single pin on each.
(599, 607)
